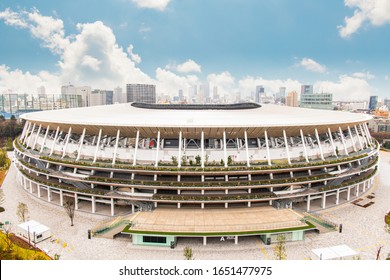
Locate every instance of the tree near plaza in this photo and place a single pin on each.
(70, 208)
(1, 200)
(280, 248)
(188, 254)
(22, 212)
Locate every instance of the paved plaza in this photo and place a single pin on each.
(363, 230)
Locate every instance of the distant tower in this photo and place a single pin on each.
(260, 91)
(141, 93)
(292, 99)
(373, 102)
(306, 89)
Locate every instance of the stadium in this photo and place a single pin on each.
(208, 171)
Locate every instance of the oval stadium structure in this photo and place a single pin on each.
(198, 170)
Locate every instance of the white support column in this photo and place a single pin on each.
(363, 134)
(357, 189)
(224, 149)
(308, 204)
(39, 190)
(319, 144)
(48, 194)
(349, 193)
(286, 144)
(44, 138)
(204, 240)
(31, 189)
(236, 239)
(61, 198)
(25, 129)
(67, 141)
(28, 130)
(157, 148)
(179, 152)
(368, 134)
(343, 140)
(112, 207)
(267, 146)
(36, 138)
(323, 200)
(31, 135)
(358, 137)
(353, 142)
(93, 204)
(202, 149)
(246, 148)
(136, 148)
(116, 146)
(332, 142)
(76, 201)
(304, 146)
(97, 145)
(337, 196)
(54, 141)
(81, 144)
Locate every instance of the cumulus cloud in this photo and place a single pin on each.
(134, 57)
(364, 75)
(169, 82)
(152, 4)
(186, 67)
(312, 65)
(376, 12)
(346, 88)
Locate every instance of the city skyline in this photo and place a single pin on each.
(178, 44)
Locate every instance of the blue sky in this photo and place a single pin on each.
(339, 46)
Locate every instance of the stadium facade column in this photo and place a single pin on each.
(204, 240)
(61, 198)
(179, 152)
(363, 135)
(308, 204)
(368, 134)
(332, 142)
(157, 148)
(81, 144)
(76, 201)
(25, 129)
(93, 204)
(246, 148)
(39, 190)
(97, 145)
(358, 137)
(319, 144)
(67, 141)
(116, 145)
(136, 148)
(202, 148)
(323, 200)
(224, 149)
(349, 193)
(286, 144)
(343, 140)
(25, 136)
(112, 207)
(31, 190)
(337, 196)
(54, 140)
(304, 146)
(31, 135)
(36, 137)
(236, 239)
(357, 190)
(48, 194)
(44, 139)
(353, 142)
(267, 147)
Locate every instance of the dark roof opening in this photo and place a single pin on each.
(235, 106)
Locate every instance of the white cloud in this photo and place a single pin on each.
(376, 12)
(311, 65)
(12, 18)
(346, 88)
(248, 84)
(91, 62)
(362, 75)
(152, 4)
(186, 67)
(169, 82)
(134, 57)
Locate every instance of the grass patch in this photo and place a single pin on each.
(256, 232)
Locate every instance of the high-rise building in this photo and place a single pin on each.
(180, 96)
(204, 93)
(141, 93)
(215, 94)
(386, 102)
(119, 96)
(84, 92)
(317, 101)
(260, 91)
(41, 90)
(292, 99)
(306, 89)
(280, 97)
(373, 102)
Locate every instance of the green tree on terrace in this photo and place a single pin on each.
(280, 248)
(188, 254)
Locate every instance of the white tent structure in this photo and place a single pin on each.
(37, 231)
(334, 253)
